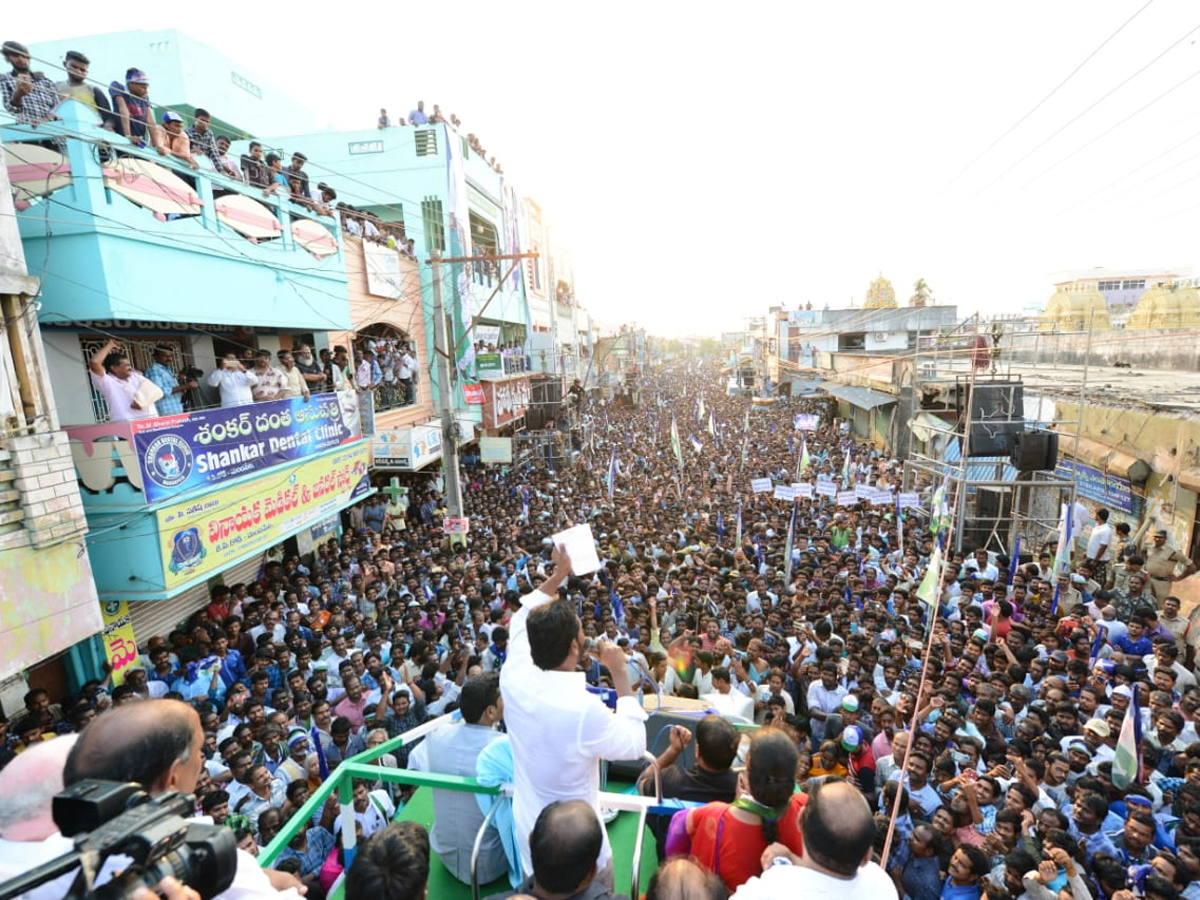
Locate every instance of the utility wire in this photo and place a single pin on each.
(1087, 110)
(1042, 102)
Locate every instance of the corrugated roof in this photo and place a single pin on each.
(863, 398)
(981, 468)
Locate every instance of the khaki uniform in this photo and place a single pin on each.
(1161, 563)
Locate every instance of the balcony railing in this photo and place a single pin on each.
(169, 456)
(167, 241)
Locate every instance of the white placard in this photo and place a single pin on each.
(785, 492)
(804, 491)
(882, 498)
(581, 548)
(761, 485)
(910, 499)
(847, 498)
(863, 491)
(827, 489)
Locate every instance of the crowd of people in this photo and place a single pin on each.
(384, 367)
(967, 742)
(126, 110)
(418, 116)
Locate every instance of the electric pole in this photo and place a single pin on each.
(446, 382)
(446, 353)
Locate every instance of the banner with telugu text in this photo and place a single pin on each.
(183, 453)
(120, 643)
(203, 535)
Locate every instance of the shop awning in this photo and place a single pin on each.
(1104, 457)
(806, 384)
(1189, 479)
(925, 425)
(863, 398)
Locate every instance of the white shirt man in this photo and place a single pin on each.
(1100, 543)
(233, 381)
(559, 731)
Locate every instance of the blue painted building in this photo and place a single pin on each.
(449, 200)
(140, 247)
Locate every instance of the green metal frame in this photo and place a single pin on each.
(342, 778)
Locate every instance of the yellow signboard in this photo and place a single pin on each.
(120, 643)
(204, 535)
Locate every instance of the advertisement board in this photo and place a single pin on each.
(120, 643)
(178, 454)
(412, 447)
(489, 364)
(202, 536)
(504, 401)
(1108, 490)
(495, 450)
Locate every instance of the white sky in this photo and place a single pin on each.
(706, 162)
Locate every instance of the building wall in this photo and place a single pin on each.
(1141, 349)
(49, 603)
(405, 313)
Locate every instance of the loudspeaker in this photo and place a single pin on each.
(1035, 451)
(996, 416)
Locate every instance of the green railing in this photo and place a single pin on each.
(342, 778)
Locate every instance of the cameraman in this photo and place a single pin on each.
(159, 745)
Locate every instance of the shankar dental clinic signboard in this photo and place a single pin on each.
(178, 454)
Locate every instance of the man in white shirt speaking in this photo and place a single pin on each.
(560, 731)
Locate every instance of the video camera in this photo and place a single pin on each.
(147, 838)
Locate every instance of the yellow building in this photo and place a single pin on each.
(880, 295)
(1076, 308)
(1166, 306)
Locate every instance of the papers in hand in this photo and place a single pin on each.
(580, 547)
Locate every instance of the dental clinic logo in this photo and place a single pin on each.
(168, 460)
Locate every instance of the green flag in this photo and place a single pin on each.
(927, 592)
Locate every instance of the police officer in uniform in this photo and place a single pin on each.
(1161, 563)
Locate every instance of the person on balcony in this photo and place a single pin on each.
(132, 107)
(161, 373)
(295, 385)
(233, 381)
(297, 177)
(272, 383)
(224, 162)
(30, 96)
(310, 368)
(202, 139)
(408, 368)
(258, 173)
(114, 376)
(174, 141)
(77, 87)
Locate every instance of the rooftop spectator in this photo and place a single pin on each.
(77, 87)
(28, 95)
(132, 108)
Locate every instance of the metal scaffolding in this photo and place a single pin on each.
(952, 374)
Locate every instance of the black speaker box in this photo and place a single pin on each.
(996, 416)
(1035, 451)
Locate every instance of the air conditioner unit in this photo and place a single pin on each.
(881, 335)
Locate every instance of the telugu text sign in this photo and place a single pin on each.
(1093, 484)
(203, 535)
(178, 454)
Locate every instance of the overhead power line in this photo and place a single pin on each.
(988, 149)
